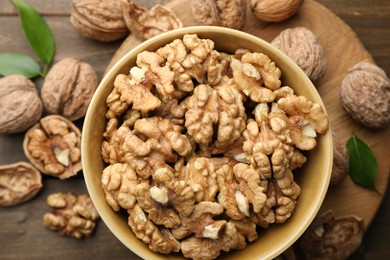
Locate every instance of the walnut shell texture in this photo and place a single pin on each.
(20, 106)
(275, 10)
(145, 24)
(332, 238)
(304, 48)
(53, 147)
(340, 167)
(365, 95)
(68, 88)
(19, 182)
(227, 13)
(99, 20)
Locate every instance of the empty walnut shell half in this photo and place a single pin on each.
(304, 48)
(68, 88)
(99, 20)
(53, 146)
(19, 182)
(365, 95)
(21, 106)
(332, 238)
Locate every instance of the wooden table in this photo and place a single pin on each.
(22, 235)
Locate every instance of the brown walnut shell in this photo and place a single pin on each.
(53, 146)
(304, 48)
(99, 20)
(20, 106)
(365, 95)
(145, 24)
(340, 166)
(68, 88)
(19, 182)
(227, 13)
(275, 11)
(332, 238)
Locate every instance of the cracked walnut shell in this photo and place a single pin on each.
(275, 10)
(145, 24)
(332, 238)
(68, 88)
(21, 106)
(53, 146)
(71, 215)
(19, 182)
(99, 20)
(304, 48)
(227, 13)
(365, 95)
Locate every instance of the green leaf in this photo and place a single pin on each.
(36, 31)
(363, 167)
(17, 63)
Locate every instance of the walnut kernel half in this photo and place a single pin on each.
(71, 215)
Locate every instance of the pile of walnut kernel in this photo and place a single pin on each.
(201, 145)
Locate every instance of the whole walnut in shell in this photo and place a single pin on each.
(19, 182)
(304, 48)
(365, 95)
(68, 88)
(99, 20)
(340, 166)
(275, 10)
(20, 106)
(53, 146)
(227, 13)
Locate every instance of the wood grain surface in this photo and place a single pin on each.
(22, 235)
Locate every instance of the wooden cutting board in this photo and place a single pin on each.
(342, 49)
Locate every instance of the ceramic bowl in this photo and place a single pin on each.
(313, 178)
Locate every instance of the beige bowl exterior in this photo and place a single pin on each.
(313, 177)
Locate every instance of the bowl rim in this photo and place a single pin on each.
(177, 33)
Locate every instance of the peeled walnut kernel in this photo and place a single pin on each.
(19, 182)
(365, 95)
(275, 10)
(99, 20)
(53, 146)
(227, 13)
(20, 106)
(145, 24)
(304, 48)
(201, 146)
(71, 215)
(68, 88)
